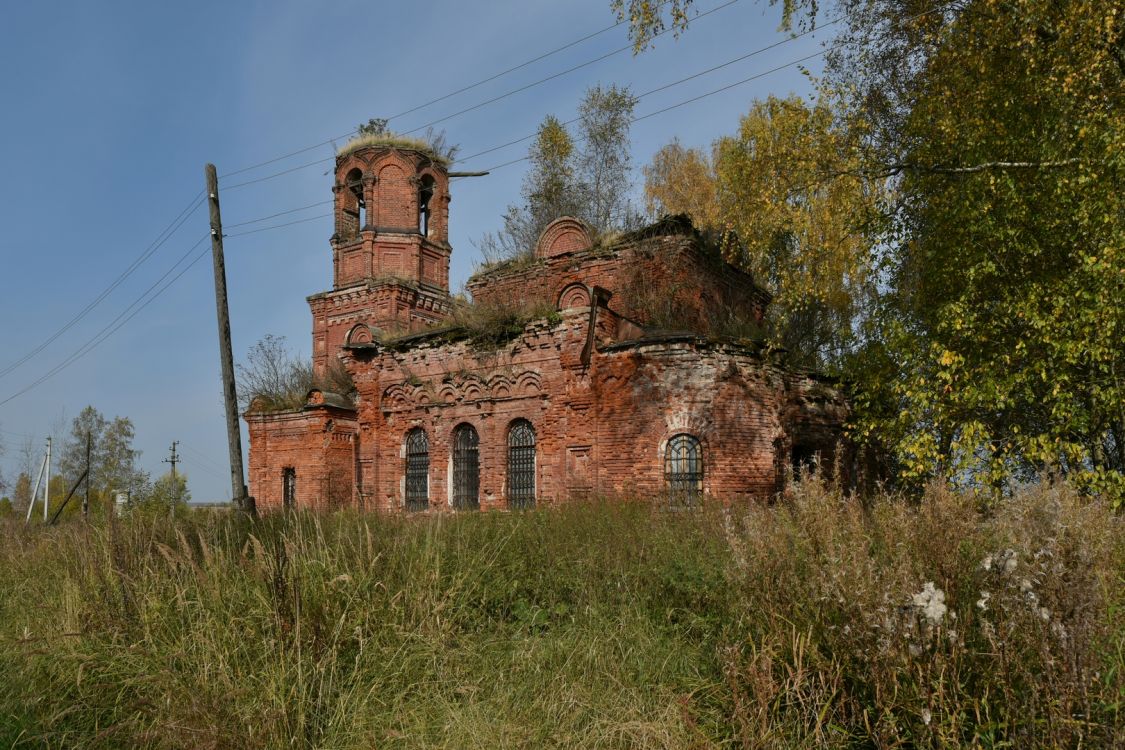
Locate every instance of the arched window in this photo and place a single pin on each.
(683, 469)
(417, 470)
(521, 464)
(425, 193)
(466, 468)
(355, 206)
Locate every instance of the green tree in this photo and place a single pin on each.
(604, 162)
(996, 346)
(802, 236)
(647, 18)
(21, 492)
(550, 189)
(591, 181)
(1005, 313)
(113, 460)
(164, 493)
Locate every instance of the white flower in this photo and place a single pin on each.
(1004, 562)
(931, 603)
(926, 716)
(982, 603)
(1009, 561)
(1044, 614)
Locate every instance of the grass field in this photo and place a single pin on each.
(814, 622)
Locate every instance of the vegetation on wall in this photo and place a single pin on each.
(374, 132)
(802, 237)
(272, 378)
(983, 145)
(586, 176)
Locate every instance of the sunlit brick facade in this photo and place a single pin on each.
(591, 399)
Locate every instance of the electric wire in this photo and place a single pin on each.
(573, 120)
(666, 86)
(200, 457)
(689, 101)
(156, 244)
(278, 226)
(280, 213)
(124, 317)
(442, 98)
(552, 77)
(18, 434)
(474, 107)
(694, 99)
(197, 464)
(110, 328)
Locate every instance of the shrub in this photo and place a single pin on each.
(812, 622)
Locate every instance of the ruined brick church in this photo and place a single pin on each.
(610, 371)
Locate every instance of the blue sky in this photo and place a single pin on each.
(111, 110)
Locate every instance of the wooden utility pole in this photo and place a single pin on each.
(47, 486)
(86, 497)
(234, 437)
(173, 459)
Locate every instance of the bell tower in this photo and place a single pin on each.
(390, 249)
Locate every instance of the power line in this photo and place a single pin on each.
(693, 99)
(201, 457)
(161, 238)
(214, 473)
(280, 213)
(271, 176)
(668, 108)
(125, 316)
(18, 434)
(114, 325)
(666, 86)
(479, 105)
(442, 98)
(541, 81)
(573, 120)
(279, 226)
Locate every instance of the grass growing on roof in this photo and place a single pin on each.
(390, 140)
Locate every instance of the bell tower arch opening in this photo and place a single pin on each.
(390, 250)
(355, 202)
(425, 196)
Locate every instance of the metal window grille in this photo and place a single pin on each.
(288, 487)
(521, 465)
(466, 468)
(683, 470)
(417, 470)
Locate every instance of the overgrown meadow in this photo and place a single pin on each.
(813, 622)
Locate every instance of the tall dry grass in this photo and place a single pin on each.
(814, 622)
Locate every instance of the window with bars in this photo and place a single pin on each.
(288, 487)
(521, 464)
(683, 469)
(466, 468)
(417, 470)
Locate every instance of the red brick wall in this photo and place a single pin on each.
(672, 270)
(600, 429)
(319, 444)
(602, 414)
